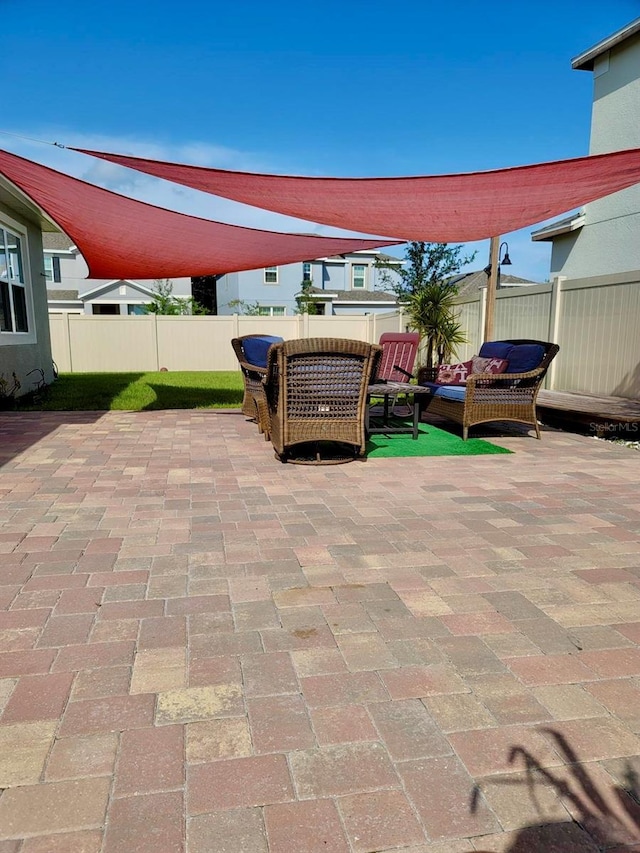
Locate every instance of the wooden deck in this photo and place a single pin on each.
(598, 414)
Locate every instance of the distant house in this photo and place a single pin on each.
(25, 345)
(345, 284)
(341, 284)
(69, 289)
(604, 237)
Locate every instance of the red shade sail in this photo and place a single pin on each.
(123, 238)
(441, 208)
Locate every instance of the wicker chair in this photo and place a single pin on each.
(490, 397)
(254, 402)
(316, 392)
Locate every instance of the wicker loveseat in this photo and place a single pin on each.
(316, 393)
(508, 396)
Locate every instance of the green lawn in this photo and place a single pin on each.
(142, 391)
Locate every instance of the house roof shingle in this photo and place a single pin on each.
(56, 240)
(62, 295)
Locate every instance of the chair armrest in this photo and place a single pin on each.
(502, 378)
(402, 370)
(253, 368)
(427, 374)
(504, 382)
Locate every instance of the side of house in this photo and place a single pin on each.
(25, 345)
(604, 237)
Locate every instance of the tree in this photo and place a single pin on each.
(306, 301)
(424, 287)
(164, 302)
(251, 309)
(426, 263)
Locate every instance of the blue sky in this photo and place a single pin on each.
(339, 87)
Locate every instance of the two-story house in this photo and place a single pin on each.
(604, 237)
(343, 284)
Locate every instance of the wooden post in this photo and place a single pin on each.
(492, 286)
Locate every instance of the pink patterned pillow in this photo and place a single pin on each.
(453, 374)
(488, 365)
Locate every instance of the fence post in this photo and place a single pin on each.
(67, 333)
(555, 309)
(482, 314)
(154, 339)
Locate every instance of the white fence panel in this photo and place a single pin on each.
(192, 343)
(83, 343)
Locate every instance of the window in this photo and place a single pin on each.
(136, 310)
(271, 311)
(52, 268)
(358, 276)
(271, 275)
(14, 315)
(306, 271)
(104, 308)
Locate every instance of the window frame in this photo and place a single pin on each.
(268, 310)
(54, 275)
(363, 267)
(270, 271)
(306, 277)
(24, 286)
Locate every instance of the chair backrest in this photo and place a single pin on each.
(253, 349)
(316, 378)
(399, 351)
(524, 355)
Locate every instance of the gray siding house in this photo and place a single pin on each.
(604, 237)
(25, 345)
(345, 284)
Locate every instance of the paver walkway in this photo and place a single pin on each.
(203, 649)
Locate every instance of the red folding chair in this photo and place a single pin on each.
(399, 351)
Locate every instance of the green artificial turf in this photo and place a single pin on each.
(141, 391)
(431, 441)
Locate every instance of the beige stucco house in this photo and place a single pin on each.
(603, 239)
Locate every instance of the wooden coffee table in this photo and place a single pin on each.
(375, 424)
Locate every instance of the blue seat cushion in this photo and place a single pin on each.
(524, 357)
(496, 349)
(448, 392)
(256, 349)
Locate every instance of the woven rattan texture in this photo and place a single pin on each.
(491, 397)
(316, 390)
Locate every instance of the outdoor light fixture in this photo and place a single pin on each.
(505, 262)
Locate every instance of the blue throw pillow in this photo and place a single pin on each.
(524, 357)
(495, 349)
(256, 349)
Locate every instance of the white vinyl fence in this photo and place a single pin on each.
(596, 321)
(82, 343)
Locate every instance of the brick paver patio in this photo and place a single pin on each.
(203, 649)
